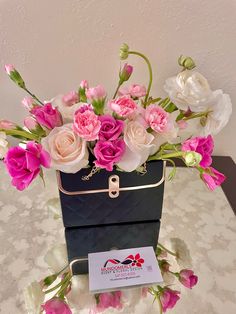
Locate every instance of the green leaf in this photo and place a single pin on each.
(49, 279)
(180, 116)
(171, 107)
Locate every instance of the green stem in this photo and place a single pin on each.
(149, 68)
(166, 156)
(25, 134)
(54, 288)
(160, 305)
(119, 85)
(165, 249)
(33, 96)
(194, 116)
(65, 284)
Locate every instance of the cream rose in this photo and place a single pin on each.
(67, 150)
(189, 89)
(56, 258)
(3, 145)
(139, 144)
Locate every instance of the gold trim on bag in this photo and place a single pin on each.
(117, 189)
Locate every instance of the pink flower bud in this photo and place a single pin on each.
(30, 123)
(169, 298)
(96, 93)
(70, 99)
(28, 102)
(187, 278)
(84, 84)
(7, 125)
(126, 72)
(9, 68)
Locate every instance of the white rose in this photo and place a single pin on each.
(68, 151)
(139, 144)
(34, 298)
(66, 111)
(3, 145)
(189, 89)
(220, 111)
(56, 258)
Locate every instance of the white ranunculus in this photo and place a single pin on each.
(3, 145)
(219, 113)
(66, 111)
(56, 258)
(138, 146)
(68, 151)
(189, 89)
(34, 298)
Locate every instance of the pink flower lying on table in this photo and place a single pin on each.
(24, 165)
(56, 306)
(169, 298)
(47, 116)
(187, 278)
(202, 145)
(109, 299)
(108, 153)
(213, 178)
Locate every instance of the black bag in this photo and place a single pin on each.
(112, 210)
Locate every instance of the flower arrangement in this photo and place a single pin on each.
(61, 293)
(123, 132)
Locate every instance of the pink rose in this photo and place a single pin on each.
(87, 125)
(187, 278)
(202, 145)
(96, 93)
(7, 125)
(70, 98)
(126, 72)
(124, 106)
(111, 128)
(56, 306)
(84, 84)
(137, 91)
(9, 68)
(213, 178)
(157, 118)
(109, 299)
(169, 298)
(47, 116)
(28, 103)
(23, 165)
(108, 153)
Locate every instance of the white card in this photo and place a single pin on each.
(117, 269)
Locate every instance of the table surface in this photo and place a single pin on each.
(203, 219)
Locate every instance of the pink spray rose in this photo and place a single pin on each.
(7, 125)
(157, 118)
(111, 128)
(96, 93)
(28, 103)
(23, 165)
(47, 116)
(169, 298)
(56, 306)
(70, 98)
(108, 153)
(109, 299)
(124, 106)
(187, 278)
(87, 125)
(202, 145)
(213, 178)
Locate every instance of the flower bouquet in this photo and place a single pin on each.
(110, 154)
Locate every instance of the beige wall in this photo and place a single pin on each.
(57, 43)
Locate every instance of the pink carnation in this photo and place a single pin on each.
(84, 84)
(124, 106)
(108, 153)
(137, 91)
(213, 178)
(111, 128)
(202, 145)
(56, 306)
(9, 68)
(87, 125)
(24, 165)
(28, 103)
(169, 298)
(157, 118)
(70, 99)
(47, 116)
(96, 93)
(84, 107)
(7, 125)
(187, 278)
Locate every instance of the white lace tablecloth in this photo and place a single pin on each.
(203, 219)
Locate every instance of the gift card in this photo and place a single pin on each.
(118, 269)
